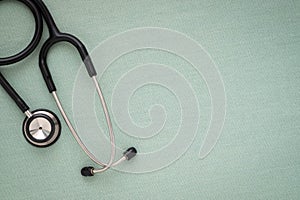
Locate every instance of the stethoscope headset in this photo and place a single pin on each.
(42, 127)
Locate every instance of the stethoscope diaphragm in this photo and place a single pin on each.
(42, 128)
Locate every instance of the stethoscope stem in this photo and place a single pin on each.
(28, 113)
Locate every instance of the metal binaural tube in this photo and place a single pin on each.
(110, 128)
(109, 124)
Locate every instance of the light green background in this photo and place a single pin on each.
(255, 45)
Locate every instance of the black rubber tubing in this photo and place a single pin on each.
(13, 94)
(39, 11)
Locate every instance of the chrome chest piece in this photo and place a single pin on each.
(41, 128)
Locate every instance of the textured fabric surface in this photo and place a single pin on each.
(255, 45)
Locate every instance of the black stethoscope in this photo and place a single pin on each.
(42, 127)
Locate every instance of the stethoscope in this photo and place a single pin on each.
(42, 127)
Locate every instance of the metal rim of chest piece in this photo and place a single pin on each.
(42, 128)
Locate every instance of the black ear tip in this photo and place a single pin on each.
(130, 153)
(132, 149)
(87, 171)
